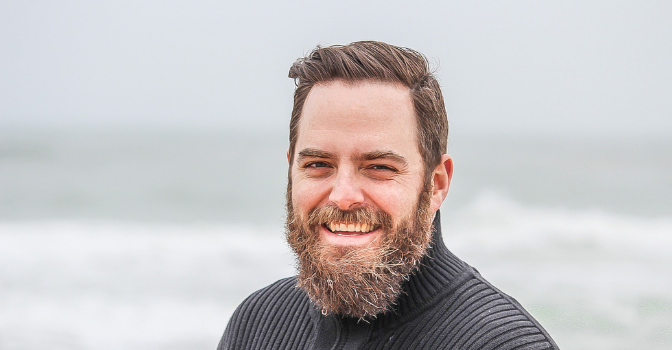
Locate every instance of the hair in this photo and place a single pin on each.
(377, 61)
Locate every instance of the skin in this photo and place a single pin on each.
(357, 146)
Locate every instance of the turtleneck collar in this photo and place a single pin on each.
(437, 270)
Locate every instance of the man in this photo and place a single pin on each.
(367, 175)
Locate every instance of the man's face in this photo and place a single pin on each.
(359, 209)
(357, 148)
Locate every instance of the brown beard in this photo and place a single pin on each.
(353, 281)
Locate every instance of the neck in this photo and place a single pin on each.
(437, 268)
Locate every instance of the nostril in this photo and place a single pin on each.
(346, 204)
(346, 197)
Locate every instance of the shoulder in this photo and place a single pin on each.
(490, 319)
(268, 318)
(268, 300)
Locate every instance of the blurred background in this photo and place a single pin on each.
(142, 160)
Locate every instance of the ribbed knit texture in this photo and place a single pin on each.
(446, 304)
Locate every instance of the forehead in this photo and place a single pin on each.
(363, 115)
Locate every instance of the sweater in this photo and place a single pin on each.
(445, 304)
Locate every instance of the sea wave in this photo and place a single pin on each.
(596, 280)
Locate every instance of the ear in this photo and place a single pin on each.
(441, 177)
(288, 161)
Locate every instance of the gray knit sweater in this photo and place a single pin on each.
(446, 304)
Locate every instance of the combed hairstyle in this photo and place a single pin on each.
(377, 61)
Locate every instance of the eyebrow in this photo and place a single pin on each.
(373, 155)
(383, 155)
(314, 153)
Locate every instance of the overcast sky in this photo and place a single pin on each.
(587, 67)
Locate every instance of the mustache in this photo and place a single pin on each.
(364, 215)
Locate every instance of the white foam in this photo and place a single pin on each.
(79, 285)
(594, 279)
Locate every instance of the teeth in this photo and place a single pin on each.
(349, 227)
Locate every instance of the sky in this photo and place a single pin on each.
(506, 67)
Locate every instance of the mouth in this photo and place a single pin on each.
(349, 228)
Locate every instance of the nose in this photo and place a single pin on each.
(346, 192)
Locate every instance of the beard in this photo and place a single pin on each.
(358, 281)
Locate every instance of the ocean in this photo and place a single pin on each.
(149, 240)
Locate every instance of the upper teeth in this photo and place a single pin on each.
(349, 227)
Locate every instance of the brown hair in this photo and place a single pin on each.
(372, 60)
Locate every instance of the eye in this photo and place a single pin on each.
(317, 169)
(380, 171)
(382, 167)
(317, 165)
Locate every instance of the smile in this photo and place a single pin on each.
(349, 228)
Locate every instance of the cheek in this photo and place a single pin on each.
(307, 195)
(398, 201)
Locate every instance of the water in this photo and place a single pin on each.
(595, 280)
(140, 176)
(83, 285)
(140, 240)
